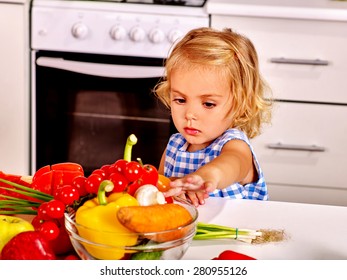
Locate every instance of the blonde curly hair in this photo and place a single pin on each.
(234, 56)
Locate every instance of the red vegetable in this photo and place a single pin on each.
(119, 166)
(55, 209)
(42, 180)
(28, 245)
(93, 182)
(150, 175)
(67, 166)
(62, 244)
(79, 183)
(232, 255)
(49, 230)
(48, 178)
(133, 171)
(67, 194)
(14, 179)
(119, 181)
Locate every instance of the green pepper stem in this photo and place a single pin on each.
(131, 141)
(105, 186)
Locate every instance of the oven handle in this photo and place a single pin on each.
(102, 70)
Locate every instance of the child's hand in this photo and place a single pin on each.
(192, 186)
(197, 198)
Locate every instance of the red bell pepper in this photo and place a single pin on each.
(232, 255)
(48, 178)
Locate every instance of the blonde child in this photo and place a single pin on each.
(217, 100)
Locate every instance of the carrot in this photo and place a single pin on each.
(171, 218)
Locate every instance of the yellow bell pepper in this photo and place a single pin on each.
(97, 222)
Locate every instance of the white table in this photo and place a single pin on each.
(315, 232)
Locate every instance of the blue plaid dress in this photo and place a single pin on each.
(179, 163)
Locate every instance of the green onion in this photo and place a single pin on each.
(212, 231)
(26, 190)
(10, 205)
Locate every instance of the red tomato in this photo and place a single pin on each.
(119, 181)
(55, 209)
(106, 169)
(100, 172)
(37, 222)
(132, 188)
(149, 175)
(93, 183)
(62, 244)
(133, 171)
(119, 165)
(49, 230)
(79, 183)
(42, 212)
(67, 194)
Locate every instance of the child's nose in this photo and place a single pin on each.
(190, 116)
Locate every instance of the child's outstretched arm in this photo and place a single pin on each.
(234, 164)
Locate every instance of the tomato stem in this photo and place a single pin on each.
(139, 160)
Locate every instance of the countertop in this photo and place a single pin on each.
(296, 9)
(313, 232)
(15, 1)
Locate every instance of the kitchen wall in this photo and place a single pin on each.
(14, 86)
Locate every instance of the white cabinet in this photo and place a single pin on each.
(302, 59)
(14, 88)
(303, 153)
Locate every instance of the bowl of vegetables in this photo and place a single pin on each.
(123, 230)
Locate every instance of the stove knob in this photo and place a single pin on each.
(118, 33)
(79, 30)
(174, 35)
(137, 34)
(156, 36)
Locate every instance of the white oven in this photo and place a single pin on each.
(94, 65)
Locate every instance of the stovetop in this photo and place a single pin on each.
(131, 28)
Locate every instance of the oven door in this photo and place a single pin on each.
(85, 106)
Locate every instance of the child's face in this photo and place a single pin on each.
(200, 103)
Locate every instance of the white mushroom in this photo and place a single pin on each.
(149, 195)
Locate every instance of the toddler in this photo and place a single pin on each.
(217, 100)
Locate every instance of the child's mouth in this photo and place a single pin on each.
(191, 131)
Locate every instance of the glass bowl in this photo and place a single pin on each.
(145, 246)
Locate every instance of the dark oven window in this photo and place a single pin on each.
(87, 119)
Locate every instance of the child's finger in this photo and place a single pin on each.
(173, 192)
